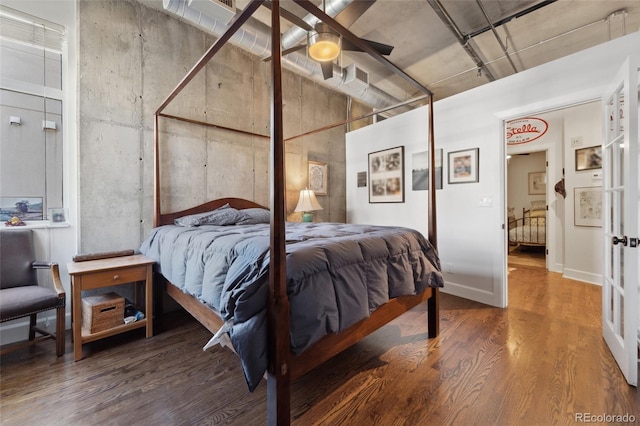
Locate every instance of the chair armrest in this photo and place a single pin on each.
(57, 283)
(55, 275)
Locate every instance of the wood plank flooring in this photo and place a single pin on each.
(542, 361)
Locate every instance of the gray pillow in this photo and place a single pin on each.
(224, 215)
(253, 216)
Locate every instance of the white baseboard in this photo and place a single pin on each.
(18, 330)
(470, 293)
(582, 276)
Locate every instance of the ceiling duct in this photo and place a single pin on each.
(223, 10)
(356, 77)
(255, 37)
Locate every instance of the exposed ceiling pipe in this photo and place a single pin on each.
(513, 16)
(495, 34)
(296, 35)
(255, 37)
(531, 46)
(464, 42)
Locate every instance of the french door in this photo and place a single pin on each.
(620, 303)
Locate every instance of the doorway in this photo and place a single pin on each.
(571, 249)
(527, 209)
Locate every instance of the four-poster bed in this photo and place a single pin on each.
(285, 366)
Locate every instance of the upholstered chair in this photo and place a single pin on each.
(20, 294)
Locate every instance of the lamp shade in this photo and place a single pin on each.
(307, 202)
(324, 43)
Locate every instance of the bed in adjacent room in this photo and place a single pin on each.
(289, 296)
(530, 229)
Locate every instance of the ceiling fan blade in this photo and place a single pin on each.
(381, 48)
(285, 52)
(327, 69)
(353, 11)
(290, 17)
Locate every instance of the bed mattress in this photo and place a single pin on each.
(337, 274)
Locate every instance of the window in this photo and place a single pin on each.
(31, 144)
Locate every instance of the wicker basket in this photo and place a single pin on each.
(102, 312)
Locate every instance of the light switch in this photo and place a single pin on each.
(576, 141)
(486, 201)
(15, 120)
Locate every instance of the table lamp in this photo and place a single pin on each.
(307, 204)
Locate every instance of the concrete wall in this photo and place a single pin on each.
(131, 57)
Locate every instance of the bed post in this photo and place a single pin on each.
(278, 334)
(156, 172)
(433, 303)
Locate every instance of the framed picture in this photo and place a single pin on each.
(589, 158)
(463, 166)
(318, 177)
(420, 170)
(386, 176)
(26, 208)
(587, 206)
(57, 215)
(537, 183)
(362, 179)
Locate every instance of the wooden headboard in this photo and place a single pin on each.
(236, 203)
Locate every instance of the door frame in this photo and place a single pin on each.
(548, 105)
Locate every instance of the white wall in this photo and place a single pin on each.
(408, 130)
(584, 245)
(472, 242)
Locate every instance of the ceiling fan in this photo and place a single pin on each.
(324, 44)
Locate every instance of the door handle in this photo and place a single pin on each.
(615, 240)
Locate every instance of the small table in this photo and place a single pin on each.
(101, 273)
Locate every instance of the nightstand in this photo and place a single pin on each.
(101, 273)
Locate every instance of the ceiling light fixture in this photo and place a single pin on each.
(324, 43)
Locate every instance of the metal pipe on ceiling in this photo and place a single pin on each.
(513, 16)
(495, 34)
(531, 46)
(462, 39)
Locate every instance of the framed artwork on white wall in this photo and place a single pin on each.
(537, 183)
(463, 166)
(386, 176)
(587, 206)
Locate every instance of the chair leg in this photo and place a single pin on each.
(60, 334)
(32, 324)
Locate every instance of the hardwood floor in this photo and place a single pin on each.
(542, 361)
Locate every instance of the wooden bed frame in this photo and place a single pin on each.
(284, 366)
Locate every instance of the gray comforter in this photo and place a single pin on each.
(337, 274)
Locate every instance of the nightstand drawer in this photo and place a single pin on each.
(114, 277)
